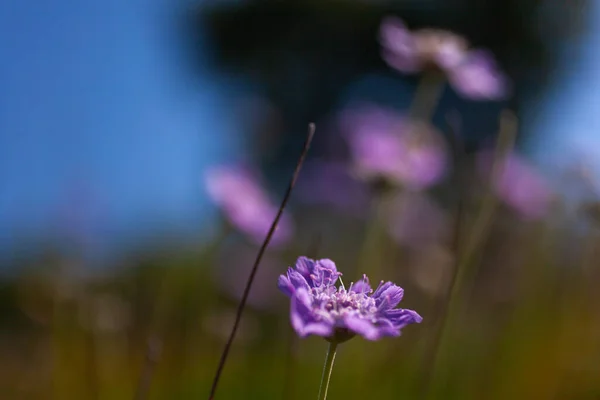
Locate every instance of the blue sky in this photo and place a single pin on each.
(99, 97)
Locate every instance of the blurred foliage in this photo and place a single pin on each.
(527, 325)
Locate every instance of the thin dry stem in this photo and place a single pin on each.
(261, 251)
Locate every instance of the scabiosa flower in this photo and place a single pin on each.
(518, 185)
(244, 202)
(473, 74)
(319, 307)
(385, 144)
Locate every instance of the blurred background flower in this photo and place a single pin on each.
(385, 144)
(245, 203)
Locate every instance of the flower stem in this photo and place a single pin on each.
(259, 256)
(427, 96)
(327, 368)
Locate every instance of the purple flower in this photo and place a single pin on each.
(319, 307)
(472, 73)
(411, 52)
(477, 77)
(518, 185)
(246, 204)
(385, 144)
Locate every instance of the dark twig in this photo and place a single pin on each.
(263, 247)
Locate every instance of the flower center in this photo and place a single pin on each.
(334, 303)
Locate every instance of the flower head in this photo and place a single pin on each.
(385, 144)
(472, 73)
(411, 52)
(319, 307)
(246, 204)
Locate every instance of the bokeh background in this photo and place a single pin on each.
(118, 234)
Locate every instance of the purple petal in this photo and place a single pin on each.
(381, 288)
(284, 284)
(303, 320)
(399, 45)
(361, 327)
(361, 286)
(325, 273)
(317, 328)
(479, 78)
(305, 266)
(389, 297)
(450, 53)
(401, 317)
(297, 280)
(246, 204)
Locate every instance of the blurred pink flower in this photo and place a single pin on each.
(385, 144)
(245, 203)
(411, 52)
(473, 74)
(518, 185)
(477, 77)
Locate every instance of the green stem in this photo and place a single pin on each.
(426, 98)
(327, 368)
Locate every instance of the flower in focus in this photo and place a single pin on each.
(473, 74)
(246, 204)
(319, 307)
(518, 185)
(385, 144)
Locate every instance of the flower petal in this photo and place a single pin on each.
(284, 284)
(361, 327)
(317, 328)
(300, 310)
(388, 295)
(361, 286)
(479, 78)
(399, 45)
(326, 273)
(297, 280)
(401, 317)
(303, 320)
(381, 288)
(305, 266)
